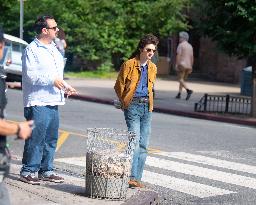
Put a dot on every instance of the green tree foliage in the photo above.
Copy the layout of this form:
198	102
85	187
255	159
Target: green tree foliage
9	17
100	30
232	23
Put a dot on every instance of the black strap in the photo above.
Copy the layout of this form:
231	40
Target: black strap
3	99
2	141
5	159
3	102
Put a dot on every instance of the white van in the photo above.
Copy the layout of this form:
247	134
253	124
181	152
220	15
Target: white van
13	65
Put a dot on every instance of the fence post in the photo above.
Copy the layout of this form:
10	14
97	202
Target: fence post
227	103
205	101
195	108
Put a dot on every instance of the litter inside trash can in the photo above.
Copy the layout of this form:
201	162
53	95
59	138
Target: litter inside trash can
108	162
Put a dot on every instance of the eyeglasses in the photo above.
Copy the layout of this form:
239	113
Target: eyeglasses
149	50
54	28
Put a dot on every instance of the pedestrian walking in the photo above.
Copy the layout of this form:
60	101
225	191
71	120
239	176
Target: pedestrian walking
60	42
184	63
134	87
43	91
21	130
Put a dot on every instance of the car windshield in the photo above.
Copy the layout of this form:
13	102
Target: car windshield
5	52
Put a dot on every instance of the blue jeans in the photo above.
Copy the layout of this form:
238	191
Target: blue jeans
138	120
40	148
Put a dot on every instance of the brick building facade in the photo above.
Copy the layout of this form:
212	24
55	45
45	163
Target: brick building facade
217	65
210	62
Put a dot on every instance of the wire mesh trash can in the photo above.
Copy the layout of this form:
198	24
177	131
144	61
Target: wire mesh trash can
108	162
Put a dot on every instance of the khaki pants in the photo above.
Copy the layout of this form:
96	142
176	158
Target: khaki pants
183	72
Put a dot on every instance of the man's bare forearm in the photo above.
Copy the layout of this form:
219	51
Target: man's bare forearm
7	128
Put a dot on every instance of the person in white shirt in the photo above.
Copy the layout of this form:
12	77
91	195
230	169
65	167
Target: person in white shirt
43	91
184	63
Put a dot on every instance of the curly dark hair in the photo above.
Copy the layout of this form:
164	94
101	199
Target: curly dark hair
145	40
41	23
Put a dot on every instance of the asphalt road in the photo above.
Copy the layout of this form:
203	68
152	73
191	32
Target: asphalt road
191	161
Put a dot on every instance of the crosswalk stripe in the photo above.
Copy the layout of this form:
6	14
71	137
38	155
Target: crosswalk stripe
184	186
202	172
209	161
78	161
181	185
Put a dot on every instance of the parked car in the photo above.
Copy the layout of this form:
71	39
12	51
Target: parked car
13	65
3	61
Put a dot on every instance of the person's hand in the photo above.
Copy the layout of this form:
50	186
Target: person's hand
62	85
69	90
25	129
59	83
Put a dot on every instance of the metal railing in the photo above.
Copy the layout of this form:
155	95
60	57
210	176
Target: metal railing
224	104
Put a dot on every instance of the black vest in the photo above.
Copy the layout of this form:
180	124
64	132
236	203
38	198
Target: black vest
3	102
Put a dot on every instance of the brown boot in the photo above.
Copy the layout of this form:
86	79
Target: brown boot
135	183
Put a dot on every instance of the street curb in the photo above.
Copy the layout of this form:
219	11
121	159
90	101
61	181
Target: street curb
92	99
198	115
143	197
207	116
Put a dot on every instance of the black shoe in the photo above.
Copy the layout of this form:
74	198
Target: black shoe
30	179
178	96
189	93
51	178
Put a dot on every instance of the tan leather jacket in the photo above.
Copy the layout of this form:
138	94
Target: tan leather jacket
128	80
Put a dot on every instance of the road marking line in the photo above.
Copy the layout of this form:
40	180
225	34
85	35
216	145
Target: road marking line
62	138
79	161
12	121
184	186
153	151
74	133
181	185
202	172
210	161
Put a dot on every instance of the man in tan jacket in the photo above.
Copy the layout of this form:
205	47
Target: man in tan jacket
184	63
133	87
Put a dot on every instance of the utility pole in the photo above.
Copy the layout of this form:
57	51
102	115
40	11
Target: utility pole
21	17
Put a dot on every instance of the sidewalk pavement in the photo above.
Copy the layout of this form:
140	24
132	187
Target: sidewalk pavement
72	191
102	91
